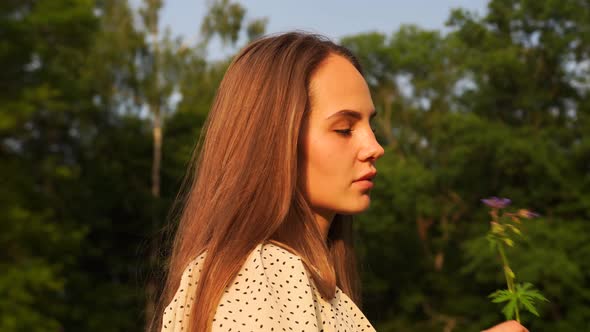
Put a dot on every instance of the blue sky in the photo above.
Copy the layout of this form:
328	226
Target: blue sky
332	18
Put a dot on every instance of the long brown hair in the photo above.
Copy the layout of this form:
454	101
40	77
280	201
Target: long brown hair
244	187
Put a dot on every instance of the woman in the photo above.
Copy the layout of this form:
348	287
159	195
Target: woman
264	241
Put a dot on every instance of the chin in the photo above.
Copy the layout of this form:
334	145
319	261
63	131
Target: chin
357	206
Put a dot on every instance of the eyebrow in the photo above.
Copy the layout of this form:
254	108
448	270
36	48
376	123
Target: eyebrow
353	114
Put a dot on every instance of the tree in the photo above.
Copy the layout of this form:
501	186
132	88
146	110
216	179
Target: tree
44	44
496	107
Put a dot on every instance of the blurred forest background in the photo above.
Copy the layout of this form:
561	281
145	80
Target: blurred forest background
100	110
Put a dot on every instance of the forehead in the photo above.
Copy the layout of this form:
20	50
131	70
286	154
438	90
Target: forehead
338	85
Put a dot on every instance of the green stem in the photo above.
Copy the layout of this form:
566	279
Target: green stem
509	278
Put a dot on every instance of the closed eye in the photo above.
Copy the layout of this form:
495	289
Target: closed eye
344	132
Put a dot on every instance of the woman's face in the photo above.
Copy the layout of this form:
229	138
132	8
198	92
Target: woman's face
338	146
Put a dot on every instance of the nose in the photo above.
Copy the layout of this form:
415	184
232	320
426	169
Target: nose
371	150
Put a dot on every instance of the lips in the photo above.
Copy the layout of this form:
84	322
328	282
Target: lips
367	176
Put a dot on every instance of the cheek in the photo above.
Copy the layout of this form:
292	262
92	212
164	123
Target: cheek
327	165
319	156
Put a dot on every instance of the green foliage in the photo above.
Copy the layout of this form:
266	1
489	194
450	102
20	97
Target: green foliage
490	107
76	209
256	28
43	44
225	19
523	297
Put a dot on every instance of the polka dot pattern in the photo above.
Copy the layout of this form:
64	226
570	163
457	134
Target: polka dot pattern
272	292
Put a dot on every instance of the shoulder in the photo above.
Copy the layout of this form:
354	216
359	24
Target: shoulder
277	255
266	258
272	284
282	266
272	266
271	291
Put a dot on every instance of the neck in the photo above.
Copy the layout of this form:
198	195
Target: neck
324	220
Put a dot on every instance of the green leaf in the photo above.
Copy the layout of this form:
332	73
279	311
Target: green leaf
527	296
528	305
510	309
501	296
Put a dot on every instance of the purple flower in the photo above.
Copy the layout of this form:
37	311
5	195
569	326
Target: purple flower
496	202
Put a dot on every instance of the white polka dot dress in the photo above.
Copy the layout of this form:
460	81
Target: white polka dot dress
272	292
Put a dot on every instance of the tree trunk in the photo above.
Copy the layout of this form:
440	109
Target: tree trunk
154	104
